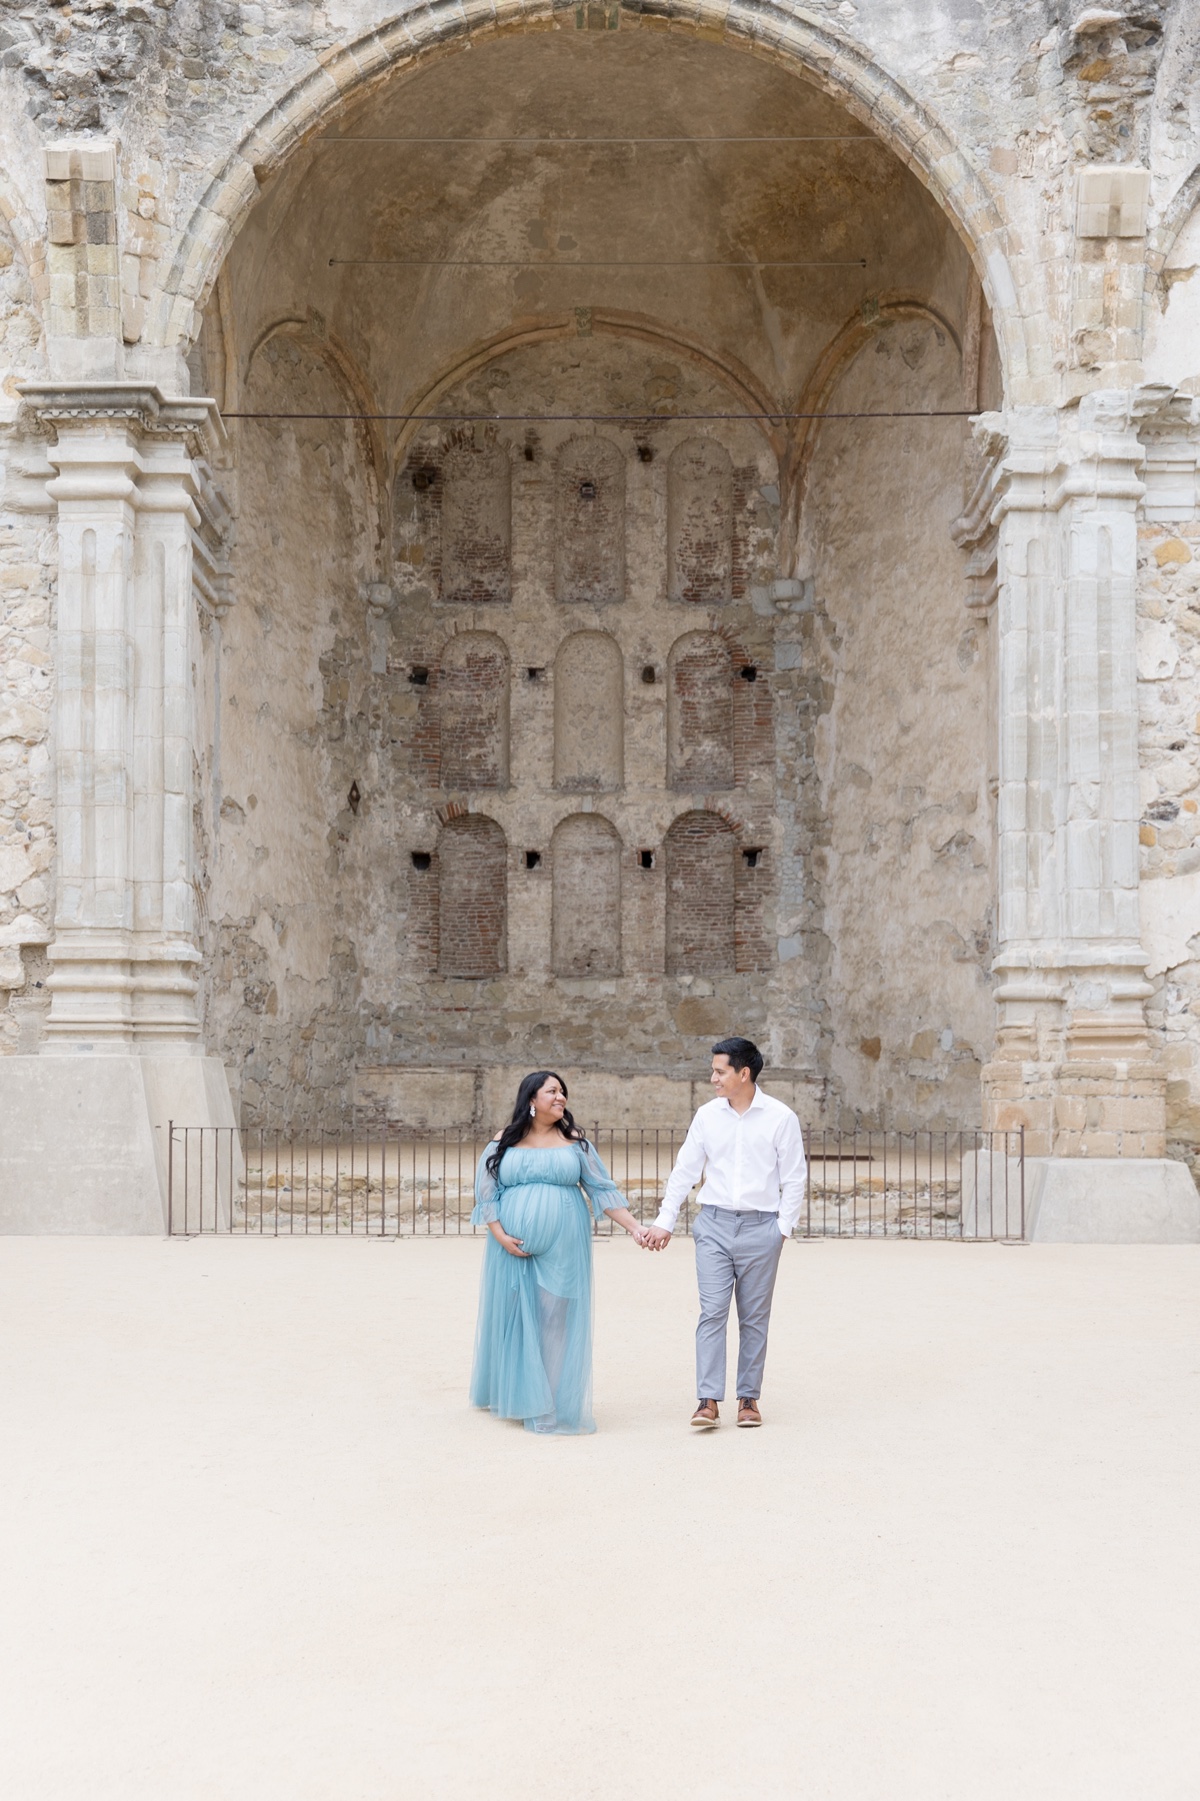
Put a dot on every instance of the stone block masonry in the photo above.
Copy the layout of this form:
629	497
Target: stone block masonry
599	627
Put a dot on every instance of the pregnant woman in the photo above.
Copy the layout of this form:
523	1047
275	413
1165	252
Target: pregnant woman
537	1186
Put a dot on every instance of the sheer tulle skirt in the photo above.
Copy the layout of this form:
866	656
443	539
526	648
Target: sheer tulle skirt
533	1342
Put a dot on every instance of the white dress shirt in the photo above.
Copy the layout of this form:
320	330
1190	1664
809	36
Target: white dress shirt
751	1160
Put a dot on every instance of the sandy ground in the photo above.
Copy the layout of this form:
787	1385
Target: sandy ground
256	1546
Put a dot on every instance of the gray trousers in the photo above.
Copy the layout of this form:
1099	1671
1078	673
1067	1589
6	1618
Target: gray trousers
736	1254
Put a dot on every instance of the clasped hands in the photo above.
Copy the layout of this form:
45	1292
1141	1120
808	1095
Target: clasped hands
650	1238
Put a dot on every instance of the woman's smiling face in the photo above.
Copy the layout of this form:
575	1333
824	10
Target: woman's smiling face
550	1100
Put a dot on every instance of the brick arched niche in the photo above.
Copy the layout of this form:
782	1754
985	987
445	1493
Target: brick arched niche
700	851
700	522
472	869
589	521
589	713
586	897
472	705
700	713
476	535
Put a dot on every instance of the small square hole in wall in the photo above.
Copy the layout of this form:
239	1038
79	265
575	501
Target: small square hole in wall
423	479
421	859
645	453
751	856
649	674
587	490
533	859
748	672
535	674
419	675
645	859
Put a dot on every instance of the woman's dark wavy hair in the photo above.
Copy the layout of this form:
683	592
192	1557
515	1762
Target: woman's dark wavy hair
520	1122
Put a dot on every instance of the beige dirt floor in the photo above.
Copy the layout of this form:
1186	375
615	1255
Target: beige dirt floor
255	1547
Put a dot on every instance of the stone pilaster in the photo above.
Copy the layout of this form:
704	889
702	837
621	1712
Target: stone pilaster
1073	1061
124	955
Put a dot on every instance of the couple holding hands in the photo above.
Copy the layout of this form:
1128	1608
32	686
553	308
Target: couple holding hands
533	1342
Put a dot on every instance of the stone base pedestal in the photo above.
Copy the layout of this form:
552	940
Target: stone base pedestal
1077	1109
83	1140
1081	1200
1110	1200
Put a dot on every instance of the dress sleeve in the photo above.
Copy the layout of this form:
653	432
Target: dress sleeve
597	1184
487	1192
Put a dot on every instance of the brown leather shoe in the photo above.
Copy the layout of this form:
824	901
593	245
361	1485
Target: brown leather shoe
748	1414
706	1416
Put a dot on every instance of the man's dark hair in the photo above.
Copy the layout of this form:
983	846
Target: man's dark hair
742	1055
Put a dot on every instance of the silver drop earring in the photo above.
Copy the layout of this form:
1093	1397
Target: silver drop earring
532	1111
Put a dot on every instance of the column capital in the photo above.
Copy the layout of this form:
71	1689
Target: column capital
149	417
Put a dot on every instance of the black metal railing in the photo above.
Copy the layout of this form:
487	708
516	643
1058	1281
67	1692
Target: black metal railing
952	1185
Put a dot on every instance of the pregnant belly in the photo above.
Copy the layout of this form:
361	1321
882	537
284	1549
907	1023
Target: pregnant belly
545	1218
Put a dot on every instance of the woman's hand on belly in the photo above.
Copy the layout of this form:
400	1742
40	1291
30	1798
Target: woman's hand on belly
511	1245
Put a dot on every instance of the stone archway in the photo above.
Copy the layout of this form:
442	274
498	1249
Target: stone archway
813	51
321	240
632	433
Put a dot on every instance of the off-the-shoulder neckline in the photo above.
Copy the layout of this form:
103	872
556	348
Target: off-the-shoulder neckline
568	1144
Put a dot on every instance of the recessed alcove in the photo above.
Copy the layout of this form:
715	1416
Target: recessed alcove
585	496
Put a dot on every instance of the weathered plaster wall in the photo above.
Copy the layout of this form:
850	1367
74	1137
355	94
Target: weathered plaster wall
902	749
579	661
325	940
1169	691
27	568
281	904
386	932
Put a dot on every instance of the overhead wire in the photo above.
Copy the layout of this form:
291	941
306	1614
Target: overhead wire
856	137
771	418
603	262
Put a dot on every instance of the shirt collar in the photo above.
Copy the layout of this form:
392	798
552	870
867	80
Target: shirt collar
756	1102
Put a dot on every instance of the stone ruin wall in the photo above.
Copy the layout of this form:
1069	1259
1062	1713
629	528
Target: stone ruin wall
299	923
1169	708
28	555
605	806
902	750
1168	667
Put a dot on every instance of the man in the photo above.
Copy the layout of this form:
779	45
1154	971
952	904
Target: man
748	1148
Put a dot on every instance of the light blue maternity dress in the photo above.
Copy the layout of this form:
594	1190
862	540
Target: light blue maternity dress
533	1342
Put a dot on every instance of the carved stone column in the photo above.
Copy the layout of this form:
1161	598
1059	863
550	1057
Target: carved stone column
123	1051
124	954
1056	516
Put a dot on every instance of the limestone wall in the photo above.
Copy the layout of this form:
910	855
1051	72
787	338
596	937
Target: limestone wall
526	860
27	570
283	981
1169	692
902	751
559	738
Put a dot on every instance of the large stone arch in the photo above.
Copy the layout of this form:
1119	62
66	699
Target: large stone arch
764	409
834	64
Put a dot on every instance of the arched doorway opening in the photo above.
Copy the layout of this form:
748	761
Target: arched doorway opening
528	344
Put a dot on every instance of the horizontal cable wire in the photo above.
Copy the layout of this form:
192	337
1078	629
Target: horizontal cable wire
602	262
609	418
857	137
